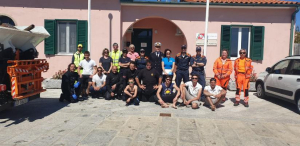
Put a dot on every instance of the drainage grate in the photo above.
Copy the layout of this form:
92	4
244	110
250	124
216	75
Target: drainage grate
165	114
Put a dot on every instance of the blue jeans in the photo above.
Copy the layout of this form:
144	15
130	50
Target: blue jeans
181	74
94	92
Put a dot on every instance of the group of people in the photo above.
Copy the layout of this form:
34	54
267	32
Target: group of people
134	77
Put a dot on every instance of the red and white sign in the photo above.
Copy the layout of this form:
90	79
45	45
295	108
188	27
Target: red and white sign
2	87
210	36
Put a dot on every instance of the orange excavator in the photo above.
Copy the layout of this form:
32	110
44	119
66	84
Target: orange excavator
20	71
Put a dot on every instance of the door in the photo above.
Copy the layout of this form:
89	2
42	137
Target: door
293	77
142	38
277	81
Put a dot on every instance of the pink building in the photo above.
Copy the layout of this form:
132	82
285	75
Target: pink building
264	28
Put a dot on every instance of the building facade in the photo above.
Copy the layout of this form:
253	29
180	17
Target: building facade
264	29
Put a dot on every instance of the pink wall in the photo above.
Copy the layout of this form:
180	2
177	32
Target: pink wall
192	20
166	31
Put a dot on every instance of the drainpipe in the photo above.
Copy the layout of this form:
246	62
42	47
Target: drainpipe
89	25
292	31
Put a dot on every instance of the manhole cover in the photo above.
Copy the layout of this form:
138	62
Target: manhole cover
165	114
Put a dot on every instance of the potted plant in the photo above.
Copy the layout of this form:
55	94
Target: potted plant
55	81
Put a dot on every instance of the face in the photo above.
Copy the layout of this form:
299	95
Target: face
79	49
86	56
99	71
106	52
131	49
148	66
72	68
194	79
224	54
157	48
168	80
213	84
131	82
183	50
142	53
132	66
243	53
115	47
124	54
114	69
198	52
168	53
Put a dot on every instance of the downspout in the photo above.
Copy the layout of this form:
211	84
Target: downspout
292	31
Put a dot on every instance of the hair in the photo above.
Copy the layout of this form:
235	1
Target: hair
115	44
225	51
168	77
103	52
166	52
132	62
212	79
114	66
131	46
69	66
125	51
195	75
149	62
130	79
99	68
243	50
87	52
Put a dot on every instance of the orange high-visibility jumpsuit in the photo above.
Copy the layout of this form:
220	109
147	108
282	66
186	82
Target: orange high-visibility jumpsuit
242	72
222	70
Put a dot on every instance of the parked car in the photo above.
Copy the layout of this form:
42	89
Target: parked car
282	81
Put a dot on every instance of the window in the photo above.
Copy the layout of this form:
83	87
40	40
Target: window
65	35
280	68
5	19
295	68
235	38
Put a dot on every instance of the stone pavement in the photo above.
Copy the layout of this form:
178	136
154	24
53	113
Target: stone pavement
46	121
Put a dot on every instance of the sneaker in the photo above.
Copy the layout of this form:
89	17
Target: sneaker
236	103
246	104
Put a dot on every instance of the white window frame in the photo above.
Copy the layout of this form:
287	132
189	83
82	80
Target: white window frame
240	42
67	39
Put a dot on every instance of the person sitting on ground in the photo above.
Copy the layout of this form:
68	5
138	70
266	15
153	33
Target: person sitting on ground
165	93
214	94
69	91
193	93
98	87
130	93
114	85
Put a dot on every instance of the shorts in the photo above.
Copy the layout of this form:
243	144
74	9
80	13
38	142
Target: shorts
188	96
85	80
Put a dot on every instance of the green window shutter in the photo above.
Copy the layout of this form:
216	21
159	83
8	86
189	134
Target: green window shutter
82	36
50	47
225	39
257	43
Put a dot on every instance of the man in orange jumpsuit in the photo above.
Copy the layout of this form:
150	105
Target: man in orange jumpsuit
242	72
223	69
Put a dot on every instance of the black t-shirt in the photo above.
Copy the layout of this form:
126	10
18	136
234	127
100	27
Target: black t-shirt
149	77
129	74
106	62
124	60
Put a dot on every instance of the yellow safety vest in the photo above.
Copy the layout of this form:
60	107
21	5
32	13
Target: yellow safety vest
115	57
77	59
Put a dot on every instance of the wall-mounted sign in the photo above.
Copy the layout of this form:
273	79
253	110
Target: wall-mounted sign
211	39
143	44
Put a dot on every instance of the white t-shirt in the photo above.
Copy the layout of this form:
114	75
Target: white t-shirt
215	91
99	80
88	66
193	90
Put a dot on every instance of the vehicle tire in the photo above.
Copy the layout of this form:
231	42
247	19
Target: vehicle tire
298	103
260	90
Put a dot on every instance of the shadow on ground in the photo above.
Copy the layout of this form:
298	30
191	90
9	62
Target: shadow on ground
31	111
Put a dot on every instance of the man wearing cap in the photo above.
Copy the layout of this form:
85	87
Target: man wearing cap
182	61
141	60
124	62
156	58
198	62
115	55
78	56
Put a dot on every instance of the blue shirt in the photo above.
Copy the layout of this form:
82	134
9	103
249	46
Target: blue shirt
168	62
198	59
166	90
183	62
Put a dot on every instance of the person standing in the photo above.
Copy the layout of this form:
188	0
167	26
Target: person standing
191	92
131	54
198	62
124	62
69	91
242	72
151	79
223	69
114	85
115	55
156	58
141	60
168	65
98	87
182	62
214	94
89	70
165	93
77	57
105	62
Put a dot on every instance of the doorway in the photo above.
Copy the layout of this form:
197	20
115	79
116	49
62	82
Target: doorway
142	38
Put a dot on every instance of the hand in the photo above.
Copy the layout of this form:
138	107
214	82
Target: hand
112	94
195	63
104	72
108	72
217	96
143	87
165	73
91	76
155	87
80	75
113	87
187	102
128	100
97	88
219	76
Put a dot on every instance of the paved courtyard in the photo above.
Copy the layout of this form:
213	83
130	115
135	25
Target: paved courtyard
98	122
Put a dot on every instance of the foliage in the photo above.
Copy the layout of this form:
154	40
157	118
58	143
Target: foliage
59	74
253	77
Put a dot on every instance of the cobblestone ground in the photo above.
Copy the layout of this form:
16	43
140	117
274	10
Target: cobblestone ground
46	121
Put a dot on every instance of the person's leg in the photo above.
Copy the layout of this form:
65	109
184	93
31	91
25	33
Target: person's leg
218	82
92	91
151	97
217	102
185	76
144	96
136	101
178	78
210	103
202	83
107	96
102	91
139	93
161	101
246	86
224	85
119	90
89	85
84	85
238	89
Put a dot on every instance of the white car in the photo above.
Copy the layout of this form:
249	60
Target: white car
282	80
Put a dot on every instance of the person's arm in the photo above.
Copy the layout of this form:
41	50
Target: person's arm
196	98
177	89
176	61
215	69
158	92
73	59
182	86
120	80
159	80
173	66
103	85
193	62
78	71
229	68
66	83
124	78
126	91
135	91
223	92
108	84
206	93
137	81
110	67
95	70
163	67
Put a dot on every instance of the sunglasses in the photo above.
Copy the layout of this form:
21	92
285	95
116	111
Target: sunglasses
194	78
168	79
243	53
130	82
142	52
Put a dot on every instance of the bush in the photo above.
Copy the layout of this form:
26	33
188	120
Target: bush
59	74
253	77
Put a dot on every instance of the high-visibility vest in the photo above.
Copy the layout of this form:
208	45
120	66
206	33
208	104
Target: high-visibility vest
77	59
248	67
115	57
222	69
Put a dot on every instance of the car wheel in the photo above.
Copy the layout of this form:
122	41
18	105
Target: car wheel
298	104
260	90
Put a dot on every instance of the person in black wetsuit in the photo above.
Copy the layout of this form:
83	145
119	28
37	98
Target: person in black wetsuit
70	90
114	85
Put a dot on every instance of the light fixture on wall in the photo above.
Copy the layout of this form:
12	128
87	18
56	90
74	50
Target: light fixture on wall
178	32
130	30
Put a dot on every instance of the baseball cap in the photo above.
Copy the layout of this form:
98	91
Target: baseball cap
142	50
183	46
124	51
198	48
115	44
157	44
79	46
